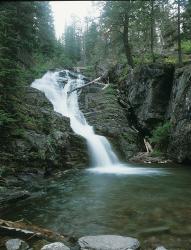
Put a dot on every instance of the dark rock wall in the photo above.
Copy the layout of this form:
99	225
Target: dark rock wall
179	113
146	91
154	93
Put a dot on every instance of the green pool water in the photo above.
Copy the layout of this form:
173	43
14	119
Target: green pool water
154	207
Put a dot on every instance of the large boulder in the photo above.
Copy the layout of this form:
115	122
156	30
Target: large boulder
108	242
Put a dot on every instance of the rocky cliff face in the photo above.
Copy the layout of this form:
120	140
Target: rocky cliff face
46	138
103	112
179	112
156	93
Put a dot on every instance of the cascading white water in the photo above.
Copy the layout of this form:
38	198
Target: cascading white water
67	104
103	158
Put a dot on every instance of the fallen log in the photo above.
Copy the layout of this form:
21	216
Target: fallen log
87	84
23	230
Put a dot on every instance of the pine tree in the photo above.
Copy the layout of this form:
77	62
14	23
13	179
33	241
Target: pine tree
44	28
25	28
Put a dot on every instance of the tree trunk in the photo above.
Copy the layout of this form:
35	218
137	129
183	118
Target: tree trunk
152	30
126	43
179	37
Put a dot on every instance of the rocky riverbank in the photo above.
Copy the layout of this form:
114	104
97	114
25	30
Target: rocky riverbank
99	242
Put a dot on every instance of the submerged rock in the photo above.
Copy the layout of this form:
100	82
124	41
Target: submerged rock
55	246
16	244
155	230
108	242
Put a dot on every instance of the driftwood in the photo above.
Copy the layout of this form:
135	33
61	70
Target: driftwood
87	84
21	229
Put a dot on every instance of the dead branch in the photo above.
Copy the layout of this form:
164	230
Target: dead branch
87	84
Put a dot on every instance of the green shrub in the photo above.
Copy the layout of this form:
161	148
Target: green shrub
5	118
160	136
170	59
186	46
157	153
110	90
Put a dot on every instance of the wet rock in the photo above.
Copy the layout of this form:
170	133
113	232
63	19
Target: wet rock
55	246
161	248
108	242
16	244
73	75
62	73
144	157
62	82
103	112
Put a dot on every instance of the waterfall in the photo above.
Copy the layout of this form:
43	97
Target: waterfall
99	147
104	160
